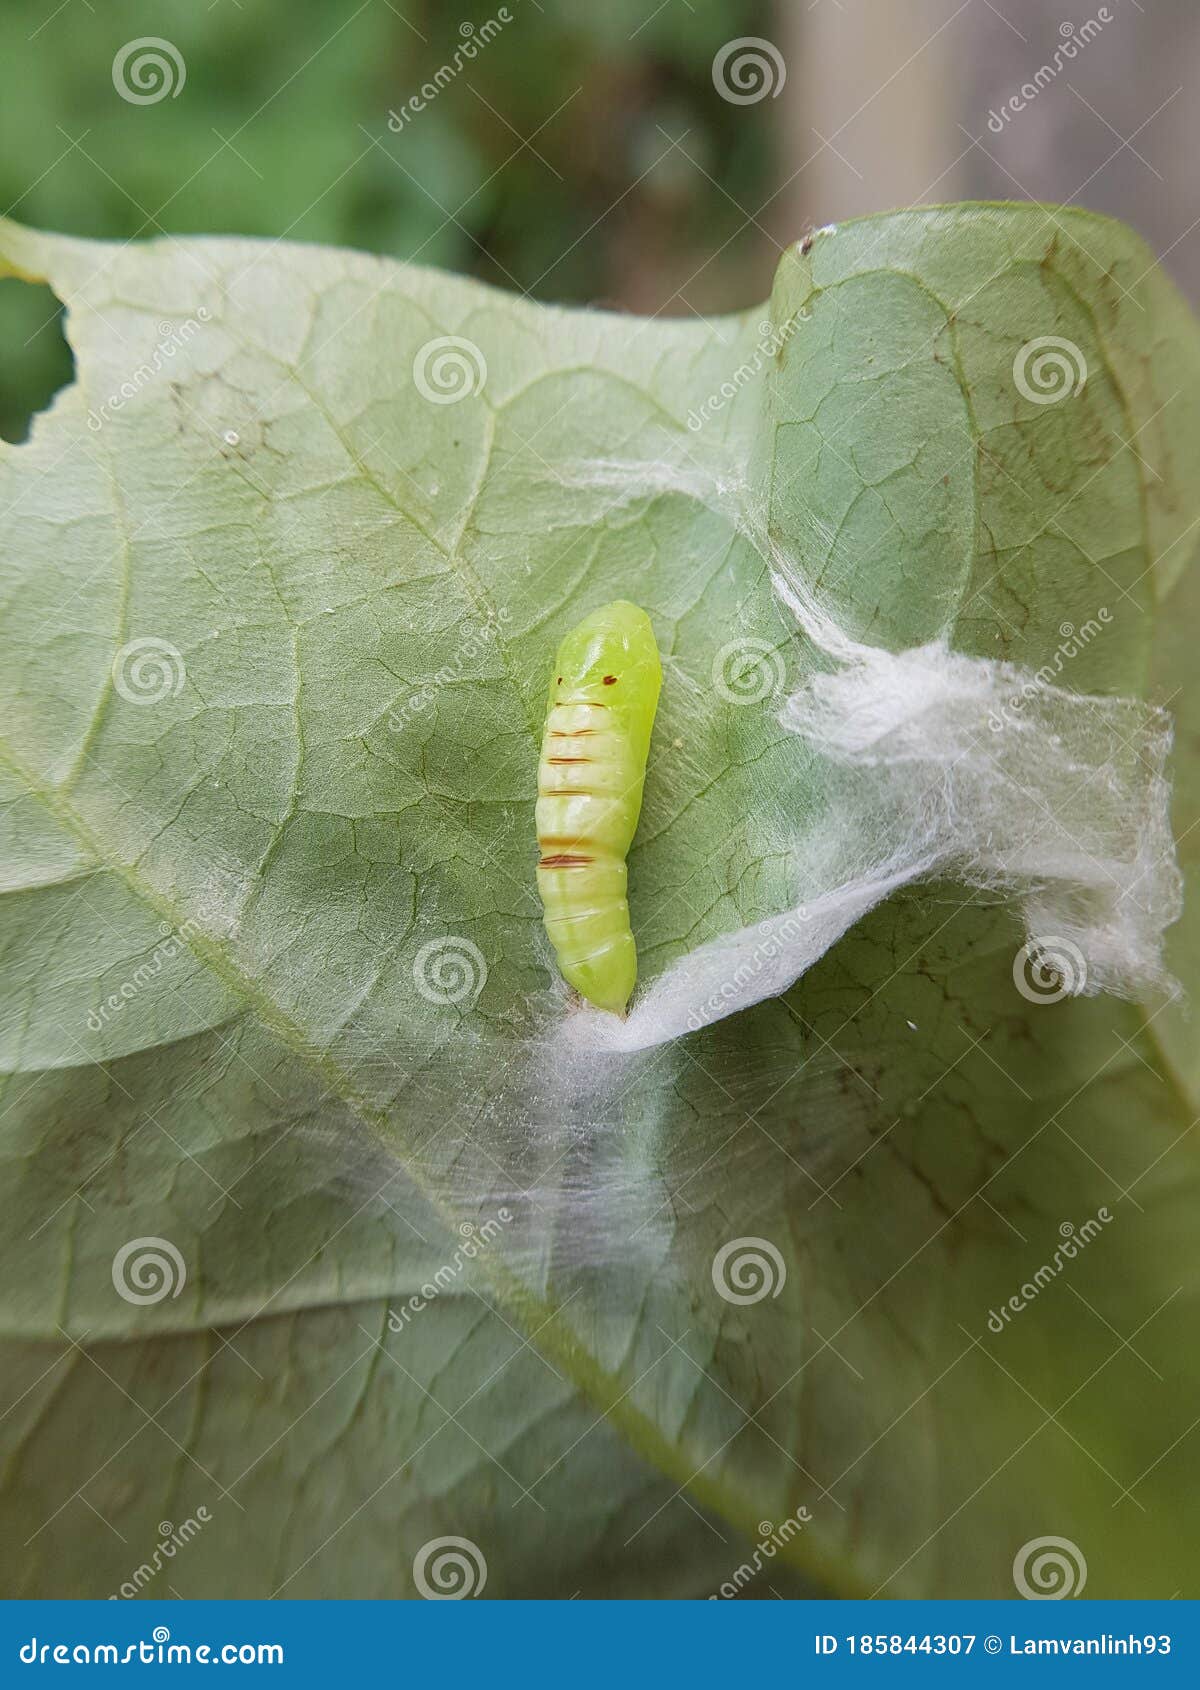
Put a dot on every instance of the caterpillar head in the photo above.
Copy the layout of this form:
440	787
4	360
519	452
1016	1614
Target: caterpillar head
611	659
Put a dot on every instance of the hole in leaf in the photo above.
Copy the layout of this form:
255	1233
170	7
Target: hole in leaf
35	360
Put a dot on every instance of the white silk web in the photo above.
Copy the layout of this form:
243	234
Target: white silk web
936	764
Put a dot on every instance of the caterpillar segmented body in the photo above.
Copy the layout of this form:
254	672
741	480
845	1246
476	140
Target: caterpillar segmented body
603	696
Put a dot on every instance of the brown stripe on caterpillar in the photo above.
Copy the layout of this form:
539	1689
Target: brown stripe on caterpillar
565	861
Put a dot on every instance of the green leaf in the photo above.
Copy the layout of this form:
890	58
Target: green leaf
276	990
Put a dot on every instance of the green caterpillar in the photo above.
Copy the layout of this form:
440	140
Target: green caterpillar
603	695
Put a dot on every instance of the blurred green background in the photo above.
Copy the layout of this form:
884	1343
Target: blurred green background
585	154
547	166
